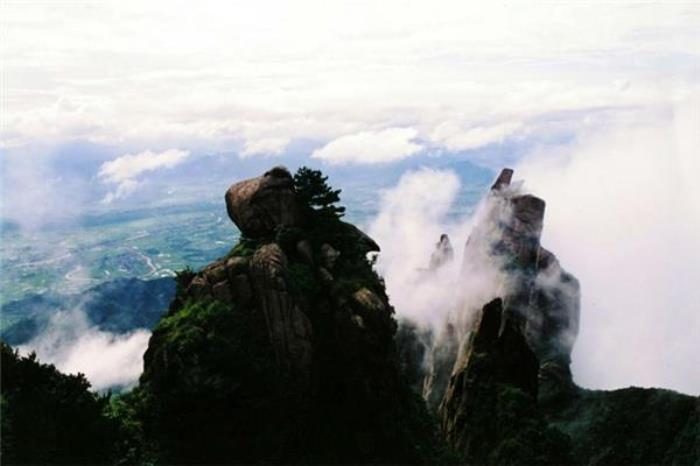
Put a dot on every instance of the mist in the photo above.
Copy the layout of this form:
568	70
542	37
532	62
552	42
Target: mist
412	217
35	194
73	345
623	215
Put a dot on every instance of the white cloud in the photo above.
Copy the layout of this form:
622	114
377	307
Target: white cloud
35	193
454	137
124	170
317	71
411	218
623	215
106	359
129	166
387	145
265	146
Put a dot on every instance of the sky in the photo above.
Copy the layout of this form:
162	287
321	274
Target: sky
595	103
408	77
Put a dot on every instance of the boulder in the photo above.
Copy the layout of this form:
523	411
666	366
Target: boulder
215	272
328	256
260	205
236	265
369	301
199	288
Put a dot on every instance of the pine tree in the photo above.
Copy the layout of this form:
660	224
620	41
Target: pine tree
313	191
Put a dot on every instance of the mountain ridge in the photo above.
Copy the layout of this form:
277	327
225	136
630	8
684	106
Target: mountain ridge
287	350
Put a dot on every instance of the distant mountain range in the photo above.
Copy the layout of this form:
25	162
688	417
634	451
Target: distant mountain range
117	306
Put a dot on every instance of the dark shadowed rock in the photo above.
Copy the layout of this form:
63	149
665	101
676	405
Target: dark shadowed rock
288	327
359	237
496	358
303	248
503	179
258	205
539	294
442	359
328	256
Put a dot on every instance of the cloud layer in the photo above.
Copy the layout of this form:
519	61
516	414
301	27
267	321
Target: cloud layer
260	75
108	360
623	215
388	145
125	170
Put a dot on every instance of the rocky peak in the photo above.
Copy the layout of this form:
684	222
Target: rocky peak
536	291
497	354
523	338
443	253
305	293
260	205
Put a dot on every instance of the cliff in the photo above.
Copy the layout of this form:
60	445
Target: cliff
282	351
498	374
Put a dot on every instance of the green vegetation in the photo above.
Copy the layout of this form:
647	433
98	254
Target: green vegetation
303	280
314	192
630	426
50	417
245	247
130	445
209	377
519	433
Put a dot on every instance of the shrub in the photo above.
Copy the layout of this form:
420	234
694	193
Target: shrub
50	417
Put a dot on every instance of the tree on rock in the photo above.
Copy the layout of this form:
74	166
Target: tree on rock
313	191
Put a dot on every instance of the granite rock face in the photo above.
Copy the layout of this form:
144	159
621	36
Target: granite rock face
288	327
259	205
537	293
329	389
498	377
497	353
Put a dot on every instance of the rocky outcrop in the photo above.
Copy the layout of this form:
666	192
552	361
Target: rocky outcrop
510	398
443	253
537	293
539	298
441	362
295	333
364	243
259	205
496	355
288	327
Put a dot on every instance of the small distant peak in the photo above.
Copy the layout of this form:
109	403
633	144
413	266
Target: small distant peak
443	252
503	179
